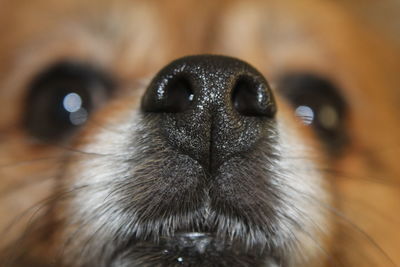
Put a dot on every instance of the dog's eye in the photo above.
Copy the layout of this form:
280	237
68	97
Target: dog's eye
318	103
61	98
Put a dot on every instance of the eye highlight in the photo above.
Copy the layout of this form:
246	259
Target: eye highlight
61	98
318	103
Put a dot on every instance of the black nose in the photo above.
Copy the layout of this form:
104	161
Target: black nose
211	107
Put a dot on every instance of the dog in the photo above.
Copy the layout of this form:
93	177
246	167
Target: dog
199	133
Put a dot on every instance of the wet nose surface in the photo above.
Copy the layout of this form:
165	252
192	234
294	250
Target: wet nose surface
210	107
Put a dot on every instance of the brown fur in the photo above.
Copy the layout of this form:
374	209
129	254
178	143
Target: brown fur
132	40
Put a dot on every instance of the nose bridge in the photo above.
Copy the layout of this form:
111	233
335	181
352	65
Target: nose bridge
213	86
211	107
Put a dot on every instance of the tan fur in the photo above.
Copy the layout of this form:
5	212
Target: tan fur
133	39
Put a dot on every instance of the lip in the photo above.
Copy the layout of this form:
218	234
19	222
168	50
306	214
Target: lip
191	243
200	249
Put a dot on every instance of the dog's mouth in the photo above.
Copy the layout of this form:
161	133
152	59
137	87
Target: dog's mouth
194	249
204	184
204	224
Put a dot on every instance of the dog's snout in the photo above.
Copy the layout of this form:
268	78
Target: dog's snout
210	107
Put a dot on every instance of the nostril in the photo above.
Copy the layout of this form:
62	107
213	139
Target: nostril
251	98
170	96
210	108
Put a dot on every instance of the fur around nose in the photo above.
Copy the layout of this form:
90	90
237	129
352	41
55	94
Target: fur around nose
212	107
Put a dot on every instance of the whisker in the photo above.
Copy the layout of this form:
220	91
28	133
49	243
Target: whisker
15	188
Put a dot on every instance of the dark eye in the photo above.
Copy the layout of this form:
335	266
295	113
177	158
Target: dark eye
61	98
319	104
